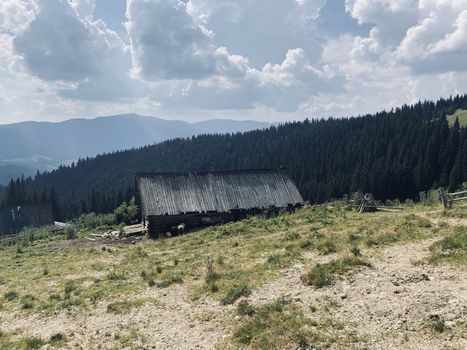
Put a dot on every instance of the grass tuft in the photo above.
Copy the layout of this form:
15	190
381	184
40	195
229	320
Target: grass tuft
278	325
11	295
122	307
235	293
452	249
326	274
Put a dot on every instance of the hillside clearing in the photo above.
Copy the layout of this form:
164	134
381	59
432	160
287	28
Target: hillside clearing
398	281
460	114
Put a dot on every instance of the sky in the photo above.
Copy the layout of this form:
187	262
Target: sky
267	60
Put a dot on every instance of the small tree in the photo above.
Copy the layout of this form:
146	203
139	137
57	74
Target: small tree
126	213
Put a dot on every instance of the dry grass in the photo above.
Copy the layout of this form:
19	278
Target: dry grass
224	263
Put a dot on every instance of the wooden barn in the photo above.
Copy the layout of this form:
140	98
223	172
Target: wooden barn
167	200
14	219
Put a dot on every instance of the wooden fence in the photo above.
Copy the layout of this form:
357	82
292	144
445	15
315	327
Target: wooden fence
447	199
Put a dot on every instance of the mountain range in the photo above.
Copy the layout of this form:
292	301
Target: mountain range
30	146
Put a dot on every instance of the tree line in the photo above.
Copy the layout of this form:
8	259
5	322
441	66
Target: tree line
392	154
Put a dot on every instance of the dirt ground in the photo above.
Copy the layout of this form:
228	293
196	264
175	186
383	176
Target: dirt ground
387	306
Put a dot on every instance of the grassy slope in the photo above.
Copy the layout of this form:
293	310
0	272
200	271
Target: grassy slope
223	263
461	114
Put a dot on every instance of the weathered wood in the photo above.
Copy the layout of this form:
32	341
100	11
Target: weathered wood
185	193
458	193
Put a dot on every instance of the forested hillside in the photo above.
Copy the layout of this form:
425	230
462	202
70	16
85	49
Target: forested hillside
392	154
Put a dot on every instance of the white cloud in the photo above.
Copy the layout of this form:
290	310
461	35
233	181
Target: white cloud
60	45
438	42
15	15
168	41
215	58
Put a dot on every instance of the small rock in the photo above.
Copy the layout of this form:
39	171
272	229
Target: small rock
426	277
397	291
344	296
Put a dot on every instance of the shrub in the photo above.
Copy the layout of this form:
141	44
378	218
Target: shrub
11	295
236	292
126	213
70	232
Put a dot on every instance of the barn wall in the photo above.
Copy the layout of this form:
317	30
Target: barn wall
157	226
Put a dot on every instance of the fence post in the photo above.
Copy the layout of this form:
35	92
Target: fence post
443	198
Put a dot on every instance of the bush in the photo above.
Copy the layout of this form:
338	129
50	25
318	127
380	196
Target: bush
30	234
236	292
126	213
70	232
92	221
11	295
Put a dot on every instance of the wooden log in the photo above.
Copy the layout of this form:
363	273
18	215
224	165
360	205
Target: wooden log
443	198
457	193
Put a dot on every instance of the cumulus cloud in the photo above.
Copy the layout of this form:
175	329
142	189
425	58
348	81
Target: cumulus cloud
262	30
60	45
438	42
15	15
168	41
196	57
63	44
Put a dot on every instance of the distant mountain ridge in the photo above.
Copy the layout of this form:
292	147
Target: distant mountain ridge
26	147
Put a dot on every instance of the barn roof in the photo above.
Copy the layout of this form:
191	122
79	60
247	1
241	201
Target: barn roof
179	193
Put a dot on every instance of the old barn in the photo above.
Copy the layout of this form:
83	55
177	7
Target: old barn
167	200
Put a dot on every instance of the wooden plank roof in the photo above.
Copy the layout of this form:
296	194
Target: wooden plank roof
180	193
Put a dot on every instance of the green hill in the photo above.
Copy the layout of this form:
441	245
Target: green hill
391	154
460	114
